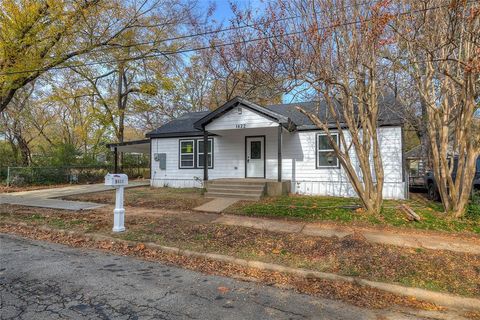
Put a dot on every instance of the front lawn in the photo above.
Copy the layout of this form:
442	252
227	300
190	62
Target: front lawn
148	197
445	271
342	210
296	207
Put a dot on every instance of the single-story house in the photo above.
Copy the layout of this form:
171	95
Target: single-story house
276	143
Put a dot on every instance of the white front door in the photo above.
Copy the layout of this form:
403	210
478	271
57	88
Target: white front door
255	157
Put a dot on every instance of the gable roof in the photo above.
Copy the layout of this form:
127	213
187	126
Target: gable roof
190	124
237	101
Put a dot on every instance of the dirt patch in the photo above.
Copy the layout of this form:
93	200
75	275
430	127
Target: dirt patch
148	197
348	292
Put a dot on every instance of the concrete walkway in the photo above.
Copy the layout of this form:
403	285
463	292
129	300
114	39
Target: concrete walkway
399	238
43	198
217	205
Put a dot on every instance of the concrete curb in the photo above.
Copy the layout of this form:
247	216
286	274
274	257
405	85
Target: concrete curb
443	299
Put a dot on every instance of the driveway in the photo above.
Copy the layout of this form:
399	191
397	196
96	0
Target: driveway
40	280
44	198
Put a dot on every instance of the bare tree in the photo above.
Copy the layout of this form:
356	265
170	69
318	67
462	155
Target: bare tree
331	52
441	42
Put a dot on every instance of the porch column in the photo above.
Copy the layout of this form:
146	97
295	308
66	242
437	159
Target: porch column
205	155
279	160
115	163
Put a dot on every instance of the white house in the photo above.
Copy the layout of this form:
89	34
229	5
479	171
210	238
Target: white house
268	144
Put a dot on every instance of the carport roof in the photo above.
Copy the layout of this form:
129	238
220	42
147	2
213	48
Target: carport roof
134	146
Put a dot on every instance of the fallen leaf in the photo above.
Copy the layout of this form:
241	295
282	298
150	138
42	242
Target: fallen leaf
140	247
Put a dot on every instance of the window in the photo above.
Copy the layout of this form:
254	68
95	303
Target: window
200	153
191	153
255	150
326	157
187	153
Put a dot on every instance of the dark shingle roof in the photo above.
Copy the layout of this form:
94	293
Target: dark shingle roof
390	113
184	126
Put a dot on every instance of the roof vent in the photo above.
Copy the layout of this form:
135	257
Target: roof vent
239	110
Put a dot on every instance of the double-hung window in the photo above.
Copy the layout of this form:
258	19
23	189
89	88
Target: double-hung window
192	151
187	153
200	153
326	157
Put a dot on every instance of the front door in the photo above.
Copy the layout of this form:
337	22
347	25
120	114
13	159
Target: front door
255	157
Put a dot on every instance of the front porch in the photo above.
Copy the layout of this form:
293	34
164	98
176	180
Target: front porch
252	130
247	189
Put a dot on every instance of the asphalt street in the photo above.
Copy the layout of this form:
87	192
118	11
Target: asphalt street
40	280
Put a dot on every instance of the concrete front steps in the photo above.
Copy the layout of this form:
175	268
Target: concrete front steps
244	189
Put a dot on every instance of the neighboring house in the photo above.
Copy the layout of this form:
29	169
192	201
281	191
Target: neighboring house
274	142
417	160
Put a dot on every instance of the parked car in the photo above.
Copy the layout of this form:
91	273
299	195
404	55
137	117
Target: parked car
431	184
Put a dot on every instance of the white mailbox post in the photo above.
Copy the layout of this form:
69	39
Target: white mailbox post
119	181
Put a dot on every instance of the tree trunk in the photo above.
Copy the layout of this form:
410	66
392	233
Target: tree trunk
24	150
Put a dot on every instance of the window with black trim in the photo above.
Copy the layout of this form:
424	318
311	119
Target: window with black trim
326	157
187	152
200	153
191	153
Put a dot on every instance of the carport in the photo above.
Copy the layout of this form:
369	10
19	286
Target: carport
134	146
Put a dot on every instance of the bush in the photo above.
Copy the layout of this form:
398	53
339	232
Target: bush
20	176
473	208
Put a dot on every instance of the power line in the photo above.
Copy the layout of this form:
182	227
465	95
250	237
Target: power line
206	33
213	46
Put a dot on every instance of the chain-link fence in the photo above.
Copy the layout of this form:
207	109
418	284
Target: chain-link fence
3	174
23	176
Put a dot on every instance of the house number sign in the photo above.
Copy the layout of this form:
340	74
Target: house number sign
240	126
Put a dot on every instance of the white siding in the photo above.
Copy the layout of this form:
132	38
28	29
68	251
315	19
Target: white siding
247	119
298	164
228	158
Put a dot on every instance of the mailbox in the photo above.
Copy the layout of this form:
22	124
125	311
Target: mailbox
119	181
116	179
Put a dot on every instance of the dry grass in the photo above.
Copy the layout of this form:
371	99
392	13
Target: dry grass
148	197
348	292
435	270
